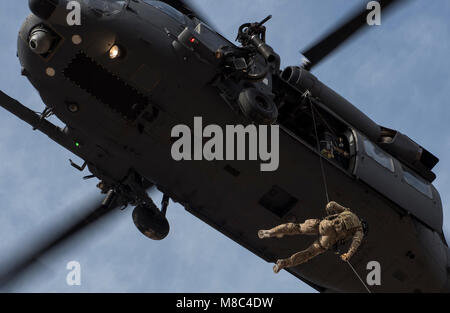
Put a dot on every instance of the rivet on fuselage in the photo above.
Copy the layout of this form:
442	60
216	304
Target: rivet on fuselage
50	71
73	107
76	39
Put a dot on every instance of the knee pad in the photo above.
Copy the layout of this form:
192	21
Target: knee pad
318	246
330	207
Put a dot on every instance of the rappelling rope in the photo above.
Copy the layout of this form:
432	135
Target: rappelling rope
356	273
307	95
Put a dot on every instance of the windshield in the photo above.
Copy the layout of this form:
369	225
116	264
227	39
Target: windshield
378	155
414	181
106	7
167	9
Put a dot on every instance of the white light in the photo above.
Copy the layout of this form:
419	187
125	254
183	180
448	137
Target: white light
50	71
114	52
76	39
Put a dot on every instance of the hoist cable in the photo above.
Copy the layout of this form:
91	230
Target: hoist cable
307	94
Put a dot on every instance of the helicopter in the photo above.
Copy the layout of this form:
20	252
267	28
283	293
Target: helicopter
103	64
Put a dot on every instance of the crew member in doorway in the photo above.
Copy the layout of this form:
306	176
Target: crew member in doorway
334	148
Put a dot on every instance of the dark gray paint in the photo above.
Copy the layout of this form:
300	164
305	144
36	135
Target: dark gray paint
228	203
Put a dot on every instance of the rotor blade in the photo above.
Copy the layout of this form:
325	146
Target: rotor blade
332	40
92	215
92	212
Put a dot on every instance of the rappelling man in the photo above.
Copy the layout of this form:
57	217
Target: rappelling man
339	226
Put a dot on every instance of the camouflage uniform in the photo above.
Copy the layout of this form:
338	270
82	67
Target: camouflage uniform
340	225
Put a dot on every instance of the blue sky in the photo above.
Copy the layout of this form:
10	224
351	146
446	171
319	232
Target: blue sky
396	73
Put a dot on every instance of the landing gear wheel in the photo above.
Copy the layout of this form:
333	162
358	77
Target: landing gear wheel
257	106
150	222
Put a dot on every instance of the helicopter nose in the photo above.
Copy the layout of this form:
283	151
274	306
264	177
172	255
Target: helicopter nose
43	8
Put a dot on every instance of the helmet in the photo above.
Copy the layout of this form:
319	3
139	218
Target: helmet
330	208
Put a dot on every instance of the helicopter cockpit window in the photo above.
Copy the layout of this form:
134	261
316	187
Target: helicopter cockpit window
411	179
106	7
378	155
169	10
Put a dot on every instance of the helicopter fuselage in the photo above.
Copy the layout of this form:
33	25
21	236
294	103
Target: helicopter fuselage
123	79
